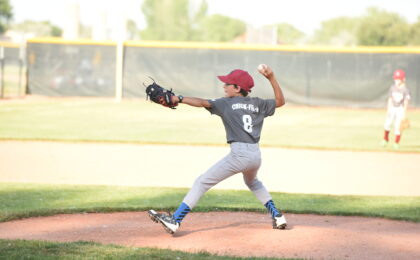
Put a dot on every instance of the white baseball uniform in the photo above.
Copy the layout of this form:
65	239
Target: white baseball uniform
398	95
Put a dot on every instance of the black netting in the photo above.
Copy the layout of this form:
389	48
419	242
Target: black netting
316	78
71	69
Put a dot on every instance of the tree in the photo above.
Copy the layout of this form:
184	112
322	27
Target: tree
166	20
179	20
6	15
132	30
340	31
38	29
56	31
288	34
197	19
382	28
219	28
415	33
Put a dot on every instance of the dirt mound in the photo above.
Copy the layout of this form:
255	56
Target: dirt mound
235	234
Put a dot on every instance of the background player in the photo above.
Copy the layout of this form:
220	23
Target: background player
243	118
397	107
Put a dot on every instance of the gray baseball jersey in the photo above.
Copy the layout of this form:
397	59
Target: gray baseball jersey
398	95
242	117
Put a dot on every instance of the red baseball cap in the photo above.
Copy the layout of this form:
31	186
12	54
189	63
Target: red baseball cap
399	74
240	78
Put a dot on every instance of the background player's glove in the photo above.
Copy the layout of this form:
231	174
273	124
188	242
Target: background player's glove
161	95
405	123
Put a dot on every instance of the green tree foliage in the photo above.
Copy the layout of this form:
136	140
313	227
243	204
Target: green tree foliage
340	31
219	28
288	34
38	29
56	31
6	14
133	31
166	20
382	28
178	20
415	33
197	19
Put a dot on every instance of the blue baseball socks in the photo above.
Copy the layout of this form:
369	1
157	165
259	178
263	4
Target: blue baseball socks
181	212
272	209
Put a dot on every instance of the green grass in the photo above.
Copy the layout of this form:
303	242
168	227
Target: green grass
21	249
11	86
137	121
27	200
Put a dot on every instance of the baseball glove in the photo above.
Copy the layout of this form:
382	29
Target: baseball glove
405	123
160	95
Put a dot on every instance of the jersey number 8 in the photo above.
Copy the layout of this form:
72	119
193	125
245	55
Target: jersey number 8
247	119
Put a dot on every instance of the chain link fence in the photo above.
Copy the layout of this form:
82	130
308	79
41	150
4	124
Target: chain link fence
357	77
12	70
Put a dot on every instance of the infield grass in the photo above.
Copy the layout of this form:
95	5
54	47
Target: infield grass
22	249
139	121
28	200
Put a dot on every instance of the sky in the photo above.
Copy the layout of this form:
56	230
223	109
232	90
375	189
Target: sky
304	15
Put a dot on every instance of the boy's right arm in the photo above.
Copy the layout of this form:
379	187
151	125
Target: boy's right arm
193	101
278	93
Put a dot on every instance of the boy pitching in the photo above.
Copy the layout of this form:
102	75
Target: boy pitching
243	118
397	107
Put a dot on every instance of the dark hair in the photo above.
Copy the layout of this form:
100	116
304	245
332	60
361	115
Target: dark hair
242	91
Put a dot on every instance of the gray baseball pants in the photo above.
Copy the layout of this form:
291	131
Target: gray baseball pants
243	157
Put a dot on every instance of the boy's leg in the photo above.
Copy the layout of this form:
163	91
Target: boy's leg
387	126
181	212
399	115
256	186
262	194
223	169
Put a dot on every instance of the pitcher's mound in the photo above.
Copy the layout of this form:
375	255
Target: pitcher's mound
234	233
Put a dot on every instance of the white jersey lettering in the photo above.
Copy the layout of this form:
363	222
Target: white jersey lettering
249	107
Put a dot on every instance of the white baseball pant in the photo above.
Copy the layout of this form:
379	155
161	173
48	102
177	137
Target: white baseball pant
243	157
396	115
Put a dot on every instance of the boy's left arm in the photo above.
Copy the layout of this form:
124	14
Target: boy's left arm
193	101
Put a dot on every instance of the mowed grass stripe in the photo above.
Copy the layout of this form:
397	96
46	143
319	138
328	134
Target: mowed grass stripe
138	121
28	200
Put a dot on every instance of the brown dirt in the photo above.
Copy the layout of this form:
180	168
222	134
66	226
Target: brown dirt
235	234
282	170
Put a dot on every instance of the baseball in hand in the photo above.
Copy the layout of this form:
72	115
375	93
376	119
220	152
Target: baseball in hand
262	68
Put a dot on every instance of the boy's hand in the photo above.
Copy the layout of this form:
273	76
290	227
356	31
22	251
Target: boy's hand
265	71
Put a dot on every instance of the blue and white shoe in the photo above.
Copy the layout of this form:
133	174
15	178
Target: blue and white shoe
167	221
279	222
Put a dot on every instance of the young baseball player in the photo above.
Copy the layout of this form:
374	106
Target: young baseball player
397	107
243	118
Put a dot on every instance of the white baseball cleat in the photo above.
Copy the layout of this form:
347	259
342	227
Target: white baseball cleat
167	221
279	222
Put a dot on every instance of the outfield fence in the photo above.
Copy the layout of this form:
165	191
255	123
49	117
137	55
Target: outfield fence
348	77
12	70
